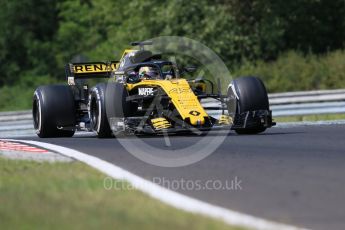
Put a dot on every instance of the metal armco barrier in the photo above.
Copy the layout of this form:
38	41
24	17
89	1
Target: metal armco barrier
281	104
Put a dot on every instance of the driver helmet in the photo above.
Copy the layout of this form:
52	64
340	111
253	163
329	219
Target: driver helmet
147	72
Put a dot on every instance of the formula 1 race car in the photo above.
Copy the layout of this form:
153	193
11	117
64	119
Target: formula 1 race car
146	95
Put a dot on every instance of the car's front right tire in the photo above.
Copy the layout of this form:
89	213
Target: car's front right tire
248	104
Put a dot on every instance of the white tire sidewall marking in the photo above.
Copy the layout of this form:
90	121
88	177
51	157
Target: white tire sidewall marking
38	130
98	102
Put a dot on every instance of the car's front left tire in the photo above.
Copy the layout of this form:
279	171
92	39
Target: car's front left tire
97	111
107	101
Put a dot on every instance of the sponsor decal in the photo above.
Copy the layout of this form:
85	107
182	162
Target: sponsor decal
180	90
194	113
145	91
94	68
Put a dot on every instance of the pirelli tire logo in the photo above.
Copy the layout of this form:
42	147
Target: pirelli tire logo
145	91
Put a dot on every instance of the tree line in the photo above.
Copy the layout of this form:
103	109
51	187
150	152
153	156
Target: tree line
37	37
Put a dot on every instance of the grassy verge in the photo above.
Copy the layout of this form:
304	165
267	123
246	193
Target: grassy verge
15	98
293	71
322	117
19	95
72	196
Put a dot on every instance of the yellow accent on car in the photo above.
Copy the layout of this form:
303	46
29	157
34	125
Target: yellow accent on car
225	120
198	85
160	123
182	96
94	68
127	51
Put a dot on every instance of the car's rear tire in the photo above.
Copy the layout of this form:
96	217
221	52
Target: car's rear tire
248	94
53	109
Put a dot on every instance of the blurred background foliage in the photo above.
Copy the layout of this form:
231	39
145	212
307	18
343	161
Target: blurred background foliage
292	45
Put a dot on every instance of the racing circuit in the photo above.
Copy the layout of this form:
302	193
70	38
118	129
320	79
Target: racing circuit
292	174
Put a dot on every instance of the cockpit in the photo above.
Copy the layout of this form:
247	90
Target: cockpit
156	70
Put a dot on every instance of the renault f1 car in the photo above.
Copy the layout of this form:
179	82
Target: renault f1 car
147	95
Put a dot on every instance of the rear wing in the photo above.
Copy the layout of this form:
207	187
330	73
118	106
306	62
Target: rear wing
90	70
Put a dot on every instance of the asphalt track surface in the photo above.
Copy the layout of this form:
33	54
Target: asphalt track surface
294	175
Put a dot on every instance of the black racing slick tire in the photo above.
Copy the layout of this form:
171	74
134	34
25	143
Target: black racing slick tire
106	101
250	131
97	111
117	106
248	94
53	111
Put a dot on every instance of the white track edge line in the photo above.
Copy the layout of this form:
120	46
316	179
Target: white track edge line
165	195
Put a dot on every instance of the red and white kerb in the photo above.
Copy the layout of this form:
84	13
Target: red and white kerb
13	146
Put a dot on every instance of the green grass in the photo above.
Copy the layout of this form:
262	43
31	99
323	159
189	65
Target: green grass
19	96
293	71
72	196
322	117
15	98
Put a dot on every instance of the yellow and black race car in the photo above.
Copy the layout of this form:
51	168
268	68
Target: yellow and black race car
146	95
